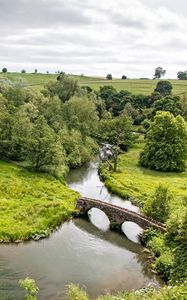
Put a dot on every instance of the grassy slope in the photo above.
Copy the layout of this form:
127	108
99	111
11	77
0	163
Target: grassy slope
135	86
139	183
31	204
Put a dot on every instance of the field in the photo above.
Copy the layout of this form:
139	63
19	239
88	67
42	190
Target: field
136	86
31	205
137	183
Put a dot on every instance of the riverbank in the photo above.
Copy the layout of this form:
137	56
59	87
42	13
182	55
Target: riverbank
138	184
31	205
169	251
166	293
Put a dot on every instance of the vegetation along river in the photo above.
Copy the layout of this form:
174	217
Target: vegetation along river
82	252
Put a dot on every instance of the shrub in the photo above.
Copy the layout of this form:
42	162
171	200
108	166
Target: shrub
158	206
164	265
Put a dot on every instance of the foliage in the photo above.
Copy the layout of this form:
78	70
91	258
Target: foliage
182	75
164	87
165	293
4	70
159	72
44	149
80	113
65	88
32	205
75	293
158	206
166	143
124	77
118	133
30	288
169	103
146	180
109	76
30	126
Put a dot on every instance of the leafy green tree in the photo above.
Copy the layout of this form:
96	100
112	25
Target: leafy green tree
166	143
164	87
65	87
159	72
109	76
44	150
78	149
172	104
182	75
23	71
158	207
124	77
118	133
4	70
81	114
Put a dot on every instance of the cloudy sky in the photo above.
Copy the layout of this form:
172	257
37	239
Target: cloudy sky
94	37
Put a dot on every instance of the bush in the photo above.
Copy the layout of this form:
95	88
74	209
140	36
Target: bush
164	265
75	293
148	234
158	206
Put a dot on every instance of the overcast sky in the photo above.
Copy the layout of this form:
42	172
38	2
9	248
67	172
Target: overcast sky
94	37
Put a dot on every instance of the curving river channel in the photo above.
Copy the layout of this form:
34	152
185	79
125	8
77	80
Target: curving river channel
81	251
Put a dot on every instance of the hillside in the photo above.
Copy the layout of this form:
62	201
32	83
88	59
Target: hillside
136	86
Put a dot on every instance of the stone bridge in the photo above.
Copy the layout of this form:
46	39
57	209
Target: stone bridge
117	215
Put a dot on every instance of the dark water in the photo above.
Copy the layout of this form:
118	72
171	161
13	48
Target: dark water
98	259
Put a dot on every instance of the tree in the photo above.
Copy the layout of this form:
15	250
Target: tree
118	133
164	87
159	72
35	71
109	76
65	87
166	143
23	71
124	77
44	150
4	70
169	103
158	206
80	113
182	75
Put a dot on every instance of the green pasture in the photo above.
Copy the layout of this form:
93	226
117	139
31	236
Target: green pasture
138	184
31	205
135	86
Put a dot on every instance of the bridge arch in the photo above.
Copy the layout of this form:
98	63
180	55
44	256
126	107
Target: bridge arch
101	221
131	231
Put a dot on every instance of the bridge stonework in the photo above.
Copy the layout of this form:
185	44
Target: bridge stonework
117	215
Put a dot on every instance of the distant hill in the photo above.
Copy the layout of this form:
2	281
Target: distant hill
136	86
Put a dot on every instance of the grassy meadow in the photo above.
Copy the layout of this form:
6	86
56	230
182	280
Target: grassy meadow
135	86
31	205
138	183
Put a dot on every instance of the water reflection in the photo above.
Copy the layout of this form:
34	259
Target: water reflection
80	253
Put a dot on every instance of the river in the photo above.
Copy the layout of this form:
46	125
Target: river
81	251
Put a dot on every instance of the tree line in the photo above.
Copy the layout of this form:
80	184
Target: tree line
61	126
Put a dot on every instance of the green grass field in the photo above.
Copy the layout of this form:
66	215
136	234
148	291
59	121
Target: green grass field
31	205
136	86
137	183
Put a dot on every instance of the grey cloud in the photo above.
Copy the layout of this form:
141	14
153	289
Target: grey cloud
40	13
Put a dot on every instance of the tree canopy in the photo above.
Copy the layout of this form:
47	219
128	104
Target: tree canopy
166	143
159	72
